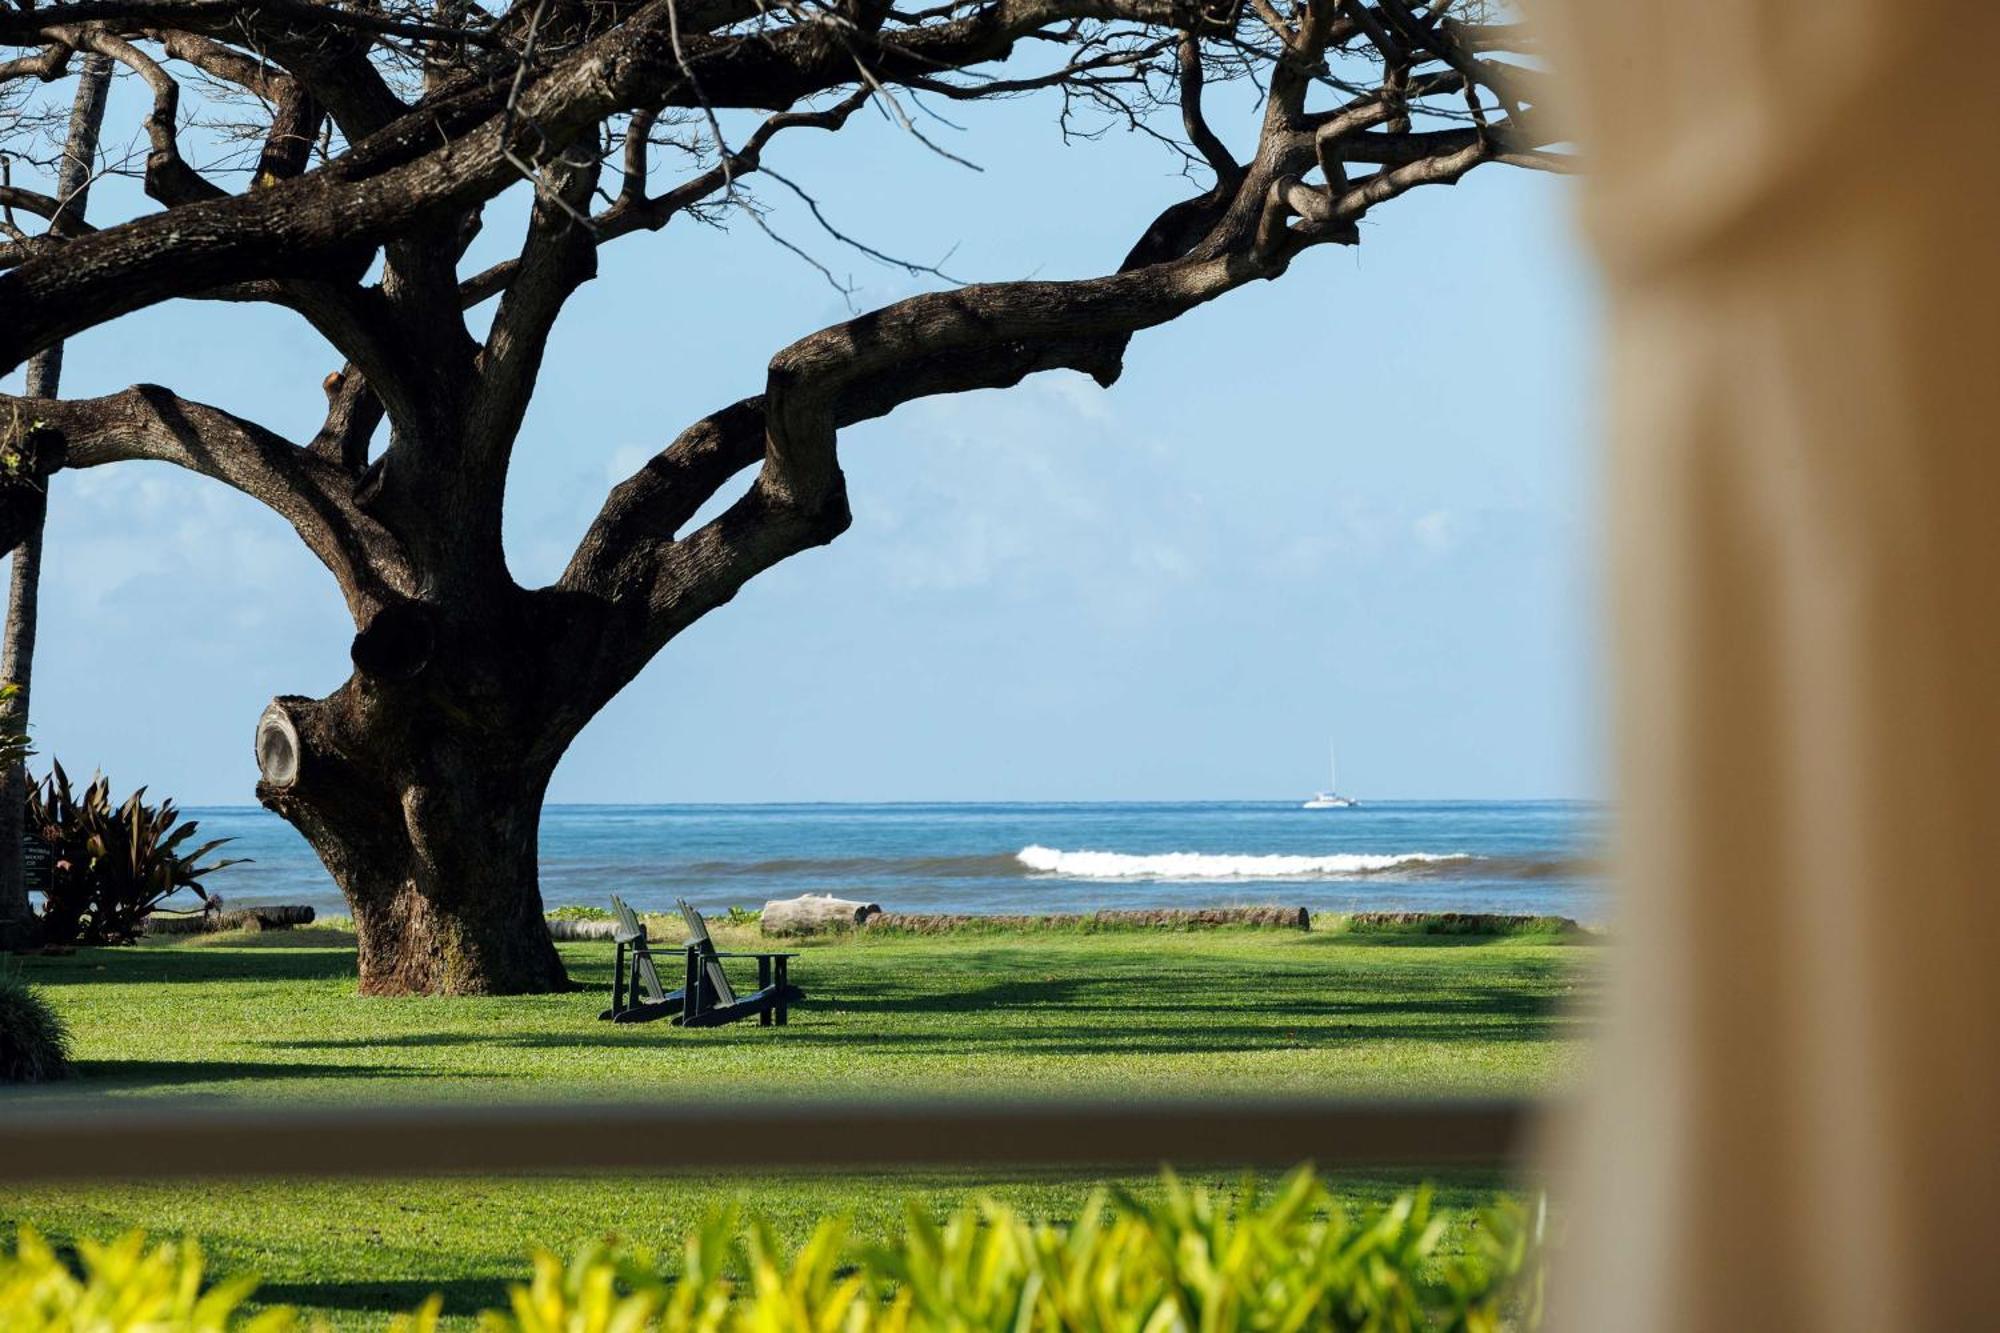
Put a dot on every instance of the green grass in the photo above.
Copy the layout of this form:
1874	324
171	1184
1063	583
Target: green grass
275	1017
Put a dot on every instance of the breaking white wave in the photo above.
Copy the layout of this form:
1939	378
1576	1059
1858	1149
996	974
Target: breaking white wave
1203	865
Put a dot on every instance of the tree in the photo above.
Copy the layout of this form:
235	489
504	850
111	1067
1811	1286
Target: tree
385	128
17	643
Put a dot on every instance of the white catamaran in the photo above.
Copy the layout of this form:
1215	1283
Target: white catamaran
1330	799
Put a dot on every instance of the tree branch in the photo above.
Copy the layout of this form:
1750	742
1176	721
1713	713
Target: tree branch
1227	171
149	422
559	256
650	585
169	178
404	178
203	14
219	61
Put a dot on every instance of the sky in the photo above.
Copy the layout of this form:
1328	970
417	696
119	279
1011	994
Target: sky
1354	508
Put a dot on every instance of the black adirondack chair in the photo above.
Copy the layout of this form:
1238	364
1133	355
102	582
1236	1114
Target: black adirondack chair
636	993
708	1000
705	999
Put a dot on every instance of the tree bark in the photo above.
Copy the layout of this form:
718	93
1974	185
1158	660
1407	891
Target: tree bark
426	810
17	646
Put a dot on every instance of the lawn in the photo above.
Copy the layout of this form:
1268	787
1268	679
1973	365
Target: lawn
275	1017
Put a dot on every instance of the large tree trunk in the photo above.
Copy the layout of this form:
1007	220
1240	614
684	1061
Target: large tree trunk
427	818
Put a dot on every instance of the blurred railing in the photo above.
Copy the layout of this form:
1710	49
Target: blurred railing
42	1140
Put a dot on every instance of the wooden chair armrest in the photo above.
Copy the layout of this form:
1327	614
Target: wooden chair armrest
720	954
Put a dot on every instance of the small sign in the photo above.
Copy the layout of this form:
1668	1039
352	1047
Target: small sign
38	863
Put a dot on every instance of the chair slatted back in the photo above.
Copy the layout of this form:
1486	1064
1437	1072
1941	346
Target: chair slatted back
630	932
628	928
711	965
648	979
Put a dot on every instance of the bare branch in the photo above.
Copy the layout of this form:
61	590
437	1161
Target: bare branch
981	336
199	14
47	64
168	176
1227	171
633	211
149	422
213	58
41	205
559	256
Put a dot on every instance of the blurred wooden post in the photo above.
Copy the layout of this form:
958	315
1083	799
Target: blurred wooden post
1796	1101
164	1141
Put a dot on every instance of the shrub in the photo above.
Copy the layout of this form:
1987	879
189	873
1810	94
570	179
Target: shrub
1457	923
126	1285
112	866
1187	1262
34	1042
580	912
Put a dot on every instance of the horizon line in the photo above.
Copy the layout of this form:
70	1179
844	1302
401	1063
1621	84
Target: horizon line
1289	801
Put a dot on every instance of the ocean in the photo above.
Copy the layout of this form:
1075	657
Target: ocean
1465	856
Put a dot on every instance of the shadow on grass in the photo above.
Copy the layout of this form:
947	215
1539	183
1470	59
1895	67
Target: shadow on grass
590	965
170	1073
401	1040
462	1296
1385	1024
157	966
1280	999
1383	939
181	965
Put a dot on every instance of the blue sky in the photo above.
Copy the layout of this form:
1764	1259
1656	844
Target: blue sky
1355	503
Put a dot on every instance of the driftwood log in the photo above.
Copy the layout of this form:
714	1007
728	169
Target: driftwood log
247	918
1178	918
564	928
813	913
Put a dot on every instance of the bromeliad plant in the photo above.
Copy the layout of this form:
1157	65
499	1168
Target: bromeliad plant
112	866
1186	1263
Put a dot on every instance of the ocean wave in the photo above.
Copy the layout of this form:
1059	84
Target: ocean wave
854	867
1204	865
1037	860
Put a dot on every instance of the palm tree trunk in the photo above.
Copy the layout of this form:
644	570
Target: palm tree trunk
17	644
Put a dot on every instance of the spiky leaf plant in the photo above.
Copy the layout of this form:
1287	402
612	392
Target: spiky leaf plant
113	865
